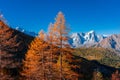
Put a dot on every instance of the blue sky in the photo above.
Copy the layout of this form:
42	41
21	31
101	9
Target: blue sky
103	16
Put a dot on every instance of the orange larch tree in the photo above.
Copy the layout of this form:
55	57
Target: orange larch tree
60	34
33	65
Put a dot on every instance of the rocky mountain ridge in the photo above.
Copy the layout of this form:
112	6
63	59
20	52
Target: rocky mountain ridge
88	39
85	39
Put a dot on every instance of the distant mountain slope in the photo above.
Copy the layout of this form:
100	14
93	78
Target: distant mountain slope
112	41
104	56
26	32
91	39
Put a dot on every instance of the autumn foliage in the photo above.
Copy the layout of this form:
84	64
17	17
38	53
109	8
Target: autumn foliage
48	56
13	46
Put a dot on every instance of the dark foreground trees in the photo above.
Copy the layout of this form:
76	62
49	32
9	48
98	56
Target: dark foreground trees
8	47
13	46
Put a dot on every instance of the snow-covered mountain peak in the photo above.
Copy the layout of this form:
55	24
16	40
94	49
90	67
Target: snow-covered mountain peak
89	39
81	39
91	32
104	35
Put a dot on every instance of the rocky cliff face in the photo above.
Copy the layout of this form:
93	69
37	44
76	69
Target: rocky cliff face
112	41
91	39
85	39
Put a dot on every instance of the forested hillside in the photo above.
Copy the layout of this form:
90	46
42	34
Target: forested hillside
13	46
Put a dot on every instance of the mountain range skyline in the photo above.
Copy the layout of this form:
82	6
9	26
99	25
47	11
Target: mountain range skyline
88	39
31	31
92	39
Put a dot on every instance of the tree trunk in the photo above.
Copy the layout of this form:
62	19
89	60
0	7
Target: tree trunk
61	66
61	76
43	65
